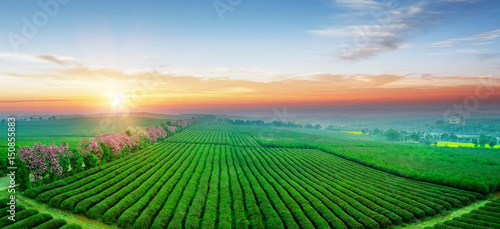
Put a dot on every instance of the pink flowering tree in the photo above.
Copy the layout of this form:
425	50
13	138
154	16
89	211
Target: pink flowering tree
172	130
140	134
46	160
155	133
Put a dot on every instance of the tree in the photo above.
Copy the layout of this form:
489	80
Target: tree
493	143
377	131
53	117
3	122
475	141
393	135
309	126
445	136
22	175
76	162
317	126
106	153
440	122
40	118
363	131
453	137
484	139
415	136
91	161
331	127
31	118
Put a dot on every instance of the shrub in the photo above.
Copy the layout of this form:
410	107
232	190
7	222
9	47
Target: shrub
71	226
91	161
77	163
30	222
54	223
4	221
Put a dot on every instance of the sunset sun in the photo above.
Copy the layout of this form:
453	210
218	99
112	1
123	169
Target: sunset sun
116	100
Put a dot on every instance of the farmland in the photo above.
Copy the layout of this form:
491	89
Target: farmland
459	144
215	176
475	169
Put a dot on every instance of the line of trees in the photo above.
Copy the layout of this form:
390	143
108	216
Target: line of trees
405	136
271	124
3	122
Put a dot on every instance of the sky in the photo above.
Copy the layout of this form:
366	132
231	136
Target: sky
75	56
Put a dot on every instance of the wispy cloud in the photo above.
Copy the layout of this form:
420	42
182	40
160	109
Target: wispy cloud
487	36
358	4
390	26
464	1
242	70
33	58
487	56
389	29
52	59
29	101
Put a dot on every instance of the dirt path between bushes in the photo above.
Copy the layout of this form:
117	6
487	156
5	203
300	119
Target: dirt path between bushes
448	215
85	222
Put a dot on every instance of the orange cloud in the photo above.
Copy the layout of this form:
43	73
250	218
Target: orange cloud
83	90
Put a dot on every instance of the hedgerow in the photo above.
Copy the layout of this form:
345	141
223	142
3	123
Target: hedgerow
156	196
54	223
19	216
30	222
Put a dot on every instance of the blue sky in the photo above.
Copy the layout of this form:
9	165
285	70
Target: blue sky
267	39
452	42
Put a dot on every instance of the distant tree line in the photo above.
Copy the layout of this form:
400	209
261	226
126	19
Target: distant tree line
271	124
486	126
427	138
3	122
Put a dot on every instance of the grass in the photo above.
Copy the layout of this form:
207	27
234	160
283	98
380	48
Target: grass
445	216
71	130
485	215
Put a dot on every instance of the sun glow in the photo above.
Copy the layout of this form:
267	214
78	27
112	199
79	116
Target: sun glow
116	100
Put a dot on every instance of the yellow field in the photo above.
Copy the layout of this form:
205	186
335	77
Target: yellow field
458	144
353	132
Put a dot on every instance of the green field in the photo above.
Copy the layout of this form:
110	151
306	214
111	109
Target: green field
71	130
487	216
475	169
213	176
